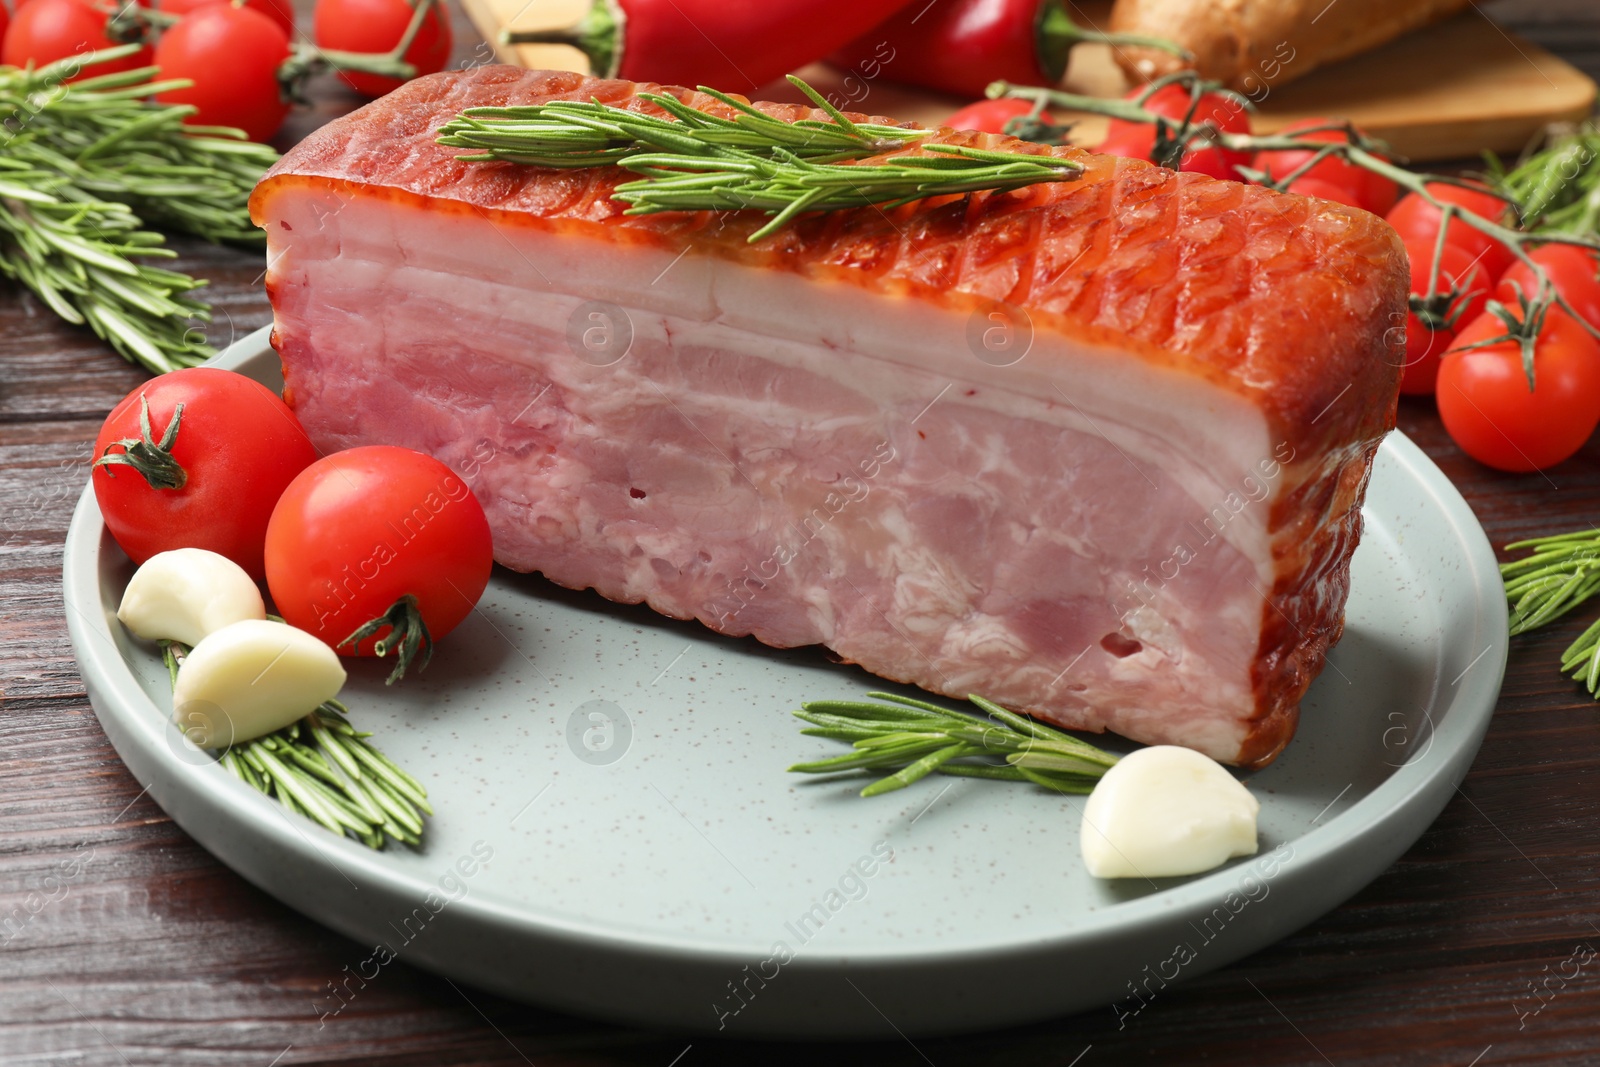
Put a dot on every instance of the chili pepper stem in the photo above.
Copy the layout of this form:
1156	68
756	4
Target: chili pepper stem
1055	33
599	35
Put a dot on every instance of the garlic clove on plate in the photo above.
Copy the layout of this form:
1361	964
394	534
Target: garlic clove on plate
186	593
1165	811
250	678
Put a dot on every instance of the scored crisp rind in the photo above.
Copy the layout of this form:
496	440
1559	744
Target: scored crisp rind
1283	302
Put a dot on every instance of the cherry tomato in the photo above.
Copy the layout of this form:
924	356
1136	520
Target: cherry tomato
1572	271
1414	217
991	116
1361	187
232	55
279	11
1173	101
47	30
1458	298
235	449
5	21
1488	409
360	530
377	26
1136	141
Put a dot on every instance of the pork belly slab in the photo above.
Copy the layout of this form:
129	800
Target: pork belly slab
1095	449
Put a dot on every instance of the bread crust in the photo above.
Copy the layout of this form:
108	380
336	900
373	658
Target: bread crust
1251	44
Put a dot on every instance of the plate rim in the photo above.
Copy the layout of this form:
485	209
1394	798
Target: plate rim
138	721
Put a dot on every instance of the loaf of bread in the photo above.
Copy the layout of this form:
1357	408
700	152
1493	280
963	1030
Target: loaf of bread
1251	44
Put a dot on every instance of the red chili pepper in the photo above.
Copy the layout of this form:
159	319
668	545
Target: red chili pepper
960	46
733	47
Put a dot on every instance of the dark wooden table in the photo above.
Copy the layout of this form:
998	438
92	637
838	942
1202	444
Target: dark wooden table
151	952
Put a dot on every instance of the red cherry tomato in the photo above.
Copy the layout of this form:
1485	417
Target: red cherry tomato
1136	141
1458	298
47	30
237	445
1173	101
232	55
5	21
1362	188
377	26
991	116
279	11
1414	217
359	530
1488	409
1572	271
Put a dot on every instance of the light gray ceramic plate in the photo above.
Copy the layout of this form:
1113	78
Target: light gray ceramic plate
655	864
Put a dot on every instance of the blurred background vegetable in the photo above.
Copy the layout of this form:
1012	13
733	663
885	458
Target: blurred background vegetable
960	46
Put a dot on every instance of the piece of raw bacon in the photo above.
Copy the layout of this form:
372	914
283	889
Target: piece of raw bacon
1143	524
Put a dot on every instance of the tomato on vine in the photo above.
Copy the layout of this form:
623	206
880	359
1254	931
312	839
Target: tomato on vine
1460	291
232	54
279	11
991	116
1358	186
1414	217
1175	102
196	459
378	548
47	30
1487	406
1572	272
376	26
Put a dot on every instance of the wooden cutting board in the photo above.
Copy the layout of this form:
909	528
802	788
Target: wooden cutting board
1450	91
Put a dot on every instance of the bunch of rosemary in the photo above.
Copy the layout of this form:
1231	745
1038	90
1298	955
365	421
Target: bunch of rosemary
1559	574
83	167
1557	189
325	769
697	161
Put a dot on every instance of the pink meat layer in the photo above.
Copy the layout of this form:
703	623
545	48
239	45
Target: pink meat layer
1095	450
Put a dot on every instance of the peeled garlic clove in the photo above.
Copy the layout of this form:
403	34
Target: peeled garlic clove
187	593
1164	811
251	678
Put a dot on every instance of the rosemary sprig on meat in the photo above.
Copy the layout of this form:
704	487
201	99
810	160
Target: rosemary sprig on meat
325	769
913	739
83	168
696	161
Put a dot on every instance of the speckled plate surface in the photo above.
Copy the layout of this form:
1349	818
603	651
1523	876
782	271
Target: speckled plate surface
616	837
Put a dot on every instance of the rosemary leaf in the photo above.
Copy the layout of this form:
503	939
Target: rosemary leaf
915	738
1561	573
84	168
696	161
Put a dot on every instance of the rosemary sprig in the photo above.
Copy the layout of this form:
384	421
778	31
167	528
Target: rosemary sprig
1557	189
83	167
920	738
1561	573
81	256
325	769
696	161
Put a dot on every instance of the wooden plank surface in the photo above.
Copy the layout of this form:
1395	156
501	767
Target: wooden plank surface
122	942
1448	92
